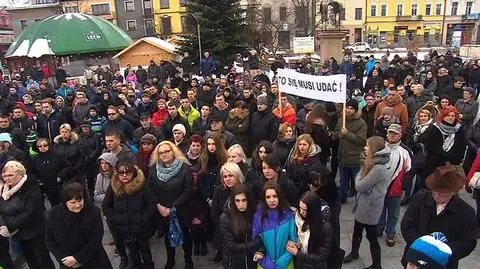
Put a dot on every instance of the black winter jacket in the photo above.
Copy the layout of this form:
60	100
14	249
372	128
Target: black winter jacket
18	137
130	207
456	222
46	167
288	189
263	126
73	151
121	125
24	124
78	235
236	254
473	138
24	211
49	126
175	192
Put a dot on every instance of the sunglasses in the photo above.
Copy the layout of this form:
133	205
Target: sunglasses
42	146
124	173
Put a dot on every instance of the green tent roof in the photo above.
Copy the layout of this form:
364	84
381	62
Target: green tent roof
71	33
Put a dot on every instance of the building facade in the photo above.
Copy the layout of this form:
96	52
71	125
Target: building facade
352	18
135	17
462	16
28	12
101	8
6	31
277	23
170	17
400	23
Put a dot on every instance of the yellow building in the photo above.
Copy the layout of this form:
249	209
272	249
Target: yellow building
398	23
170	17
101	8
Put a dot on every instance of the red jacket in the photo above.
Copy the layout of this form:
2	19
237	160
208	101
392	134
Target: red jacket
159	117
475	168
46	71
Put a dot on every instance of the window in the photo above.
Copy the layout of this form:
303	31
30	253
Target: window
454	8
164	4
129	5
428	9
23	24
267	15
147	7
438	10
3	20
373	10
383	12
358	14
131	25
149	27
300	12
468	8
166	25
283	13
414	9
400	10
72	9
38	2
284	39
186	25
101	9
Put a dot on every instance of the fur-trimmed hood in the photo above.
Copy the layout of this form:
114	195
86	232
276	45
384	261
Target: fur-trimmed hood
238	114
382	156
73	139
131	187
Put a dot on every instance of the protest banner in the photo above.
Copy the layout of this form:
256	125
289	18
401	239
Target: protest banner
327	88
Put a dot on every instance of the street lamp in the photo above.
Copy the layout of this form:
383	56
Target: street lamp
199	40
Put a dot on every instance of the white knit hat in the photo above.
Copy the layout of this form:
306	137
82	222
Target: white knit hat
179	127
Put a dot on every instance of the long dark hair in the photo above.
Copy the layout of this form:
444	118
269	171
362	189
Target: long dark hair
317	112
220	153
242	221
282	201
256	162
313	220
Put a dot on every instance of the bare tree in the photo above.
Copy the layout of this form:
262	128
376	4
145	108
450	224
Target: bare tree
305	12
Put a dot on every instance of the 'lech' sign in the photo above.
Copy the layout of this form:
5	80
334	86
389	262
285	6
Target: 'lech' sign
93	36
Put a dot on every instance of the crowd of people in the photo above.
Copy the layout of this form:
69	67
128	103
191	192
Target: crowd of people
226	164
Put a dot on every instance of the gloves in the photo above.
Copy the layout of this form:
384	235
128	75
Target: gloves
4	231
59	180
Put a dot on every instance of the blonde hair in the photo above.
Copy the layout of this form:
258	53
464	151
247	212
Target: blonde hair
375	144
233	169
177	153
238	150
66	126
296	157
16	166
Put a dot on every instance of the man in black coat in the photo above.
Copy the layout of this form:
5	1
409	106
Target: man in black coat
92	142
146	128
442	210
263	124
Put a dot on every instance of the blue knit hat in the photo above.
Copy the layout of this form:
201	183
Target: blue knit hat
5	137
430	252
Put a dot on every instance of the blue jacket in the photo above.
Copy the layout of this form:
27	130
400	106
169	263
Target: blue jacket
275	234
346	68
370	66
62	91
207	66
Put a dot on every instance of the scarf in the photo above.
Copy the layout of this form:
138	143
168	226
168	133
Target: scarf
420	128
164	173
449	131
190	155
9	191
303	237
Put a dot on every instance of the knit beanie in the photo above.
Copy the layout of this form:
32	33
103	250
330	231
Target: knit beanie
31	137
179	127
5	137
430	252
148	139
352	103
262	100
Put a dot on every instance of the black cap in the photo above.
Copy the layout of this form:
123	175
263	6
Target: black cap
86	123
353	103
145	115
216	117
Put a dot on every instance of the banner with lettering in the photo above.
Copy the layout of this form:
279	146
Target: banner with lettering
327	88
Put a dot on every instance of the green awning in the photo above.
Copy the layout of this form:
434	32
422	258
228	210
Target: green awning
71	33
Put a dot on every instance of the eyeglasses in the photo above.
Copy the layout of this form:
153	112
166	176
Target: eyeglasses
124	173
42	146
164	152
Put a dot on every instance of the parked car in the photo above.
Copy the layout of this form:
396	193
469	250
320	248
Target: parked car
360	47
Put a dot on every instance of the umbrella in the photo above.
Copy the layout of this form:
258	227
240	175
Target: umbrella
71	33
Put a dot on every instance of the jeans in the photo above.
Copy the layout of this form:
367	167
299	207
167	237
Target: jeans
347	175
389	218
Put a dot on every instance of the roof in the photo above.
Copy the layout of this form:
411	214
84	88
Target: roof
154	41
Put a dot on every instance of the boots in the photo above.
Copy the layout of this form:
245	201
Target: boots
196	248
203	248
350	257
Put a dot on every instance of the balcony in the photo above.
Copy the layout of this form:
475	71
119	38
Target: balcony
473	16
409	18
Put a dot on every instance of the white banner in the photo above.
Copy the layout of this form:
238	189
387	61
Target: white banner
327	88
304	44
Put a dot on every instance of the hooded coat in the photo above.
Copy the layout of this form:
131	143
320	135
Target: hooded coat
372	189
298	171
78	235
238	123
399	109
351	144
103	179
130	207
73	151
